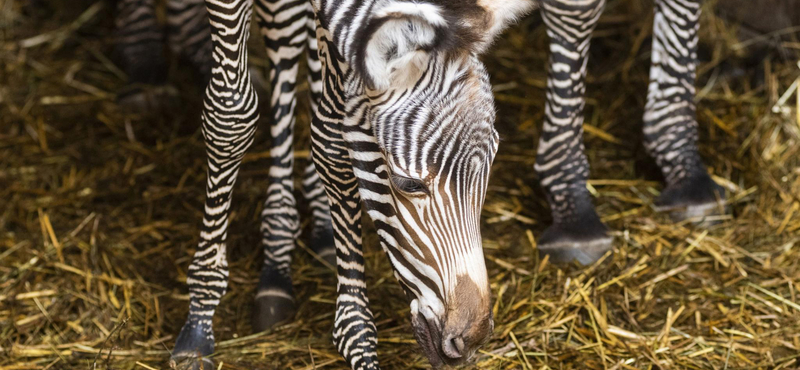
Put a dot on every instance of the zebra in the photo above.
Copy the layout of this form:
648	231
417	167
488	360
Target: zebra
670	126
402	124
361	161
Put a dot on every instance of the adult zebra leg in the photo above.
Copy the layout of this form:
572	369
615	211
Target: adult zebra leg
670	120
283	26
230	112
188	33
577	232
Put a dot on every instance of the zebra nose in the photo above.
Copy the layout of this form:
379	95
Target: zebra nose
453	346
460	341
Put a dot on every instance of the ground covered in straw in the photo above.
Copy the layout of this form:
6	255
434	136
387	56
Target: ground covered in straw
99	214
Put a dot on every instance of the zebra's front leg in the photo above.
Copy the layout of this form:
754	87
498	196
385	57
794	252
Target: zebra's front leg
322	231
230	112
670	120
577	232
280	221
354	333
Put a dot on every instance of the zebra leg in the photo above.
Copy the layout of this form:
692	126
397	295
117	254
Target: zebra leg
577	232
322	231
282	24
230	112
354	333
670	123
139	47
189	34
139	41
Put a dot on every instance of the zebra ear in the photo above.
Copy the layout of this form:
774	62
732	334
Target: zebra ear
499	14
398	43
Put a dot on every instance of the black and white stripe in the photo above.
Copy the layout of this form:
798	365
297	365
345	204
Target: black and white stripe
670	124
230	112
188	33
139	39
403	124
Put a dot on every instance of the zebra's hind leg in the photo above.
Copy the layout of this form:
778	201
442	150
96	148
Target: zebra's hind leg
229	122
577	232
283	26
189	35
139	47
670	120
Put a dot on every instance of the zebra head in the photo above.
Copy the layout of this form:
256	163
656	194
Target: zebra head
430	107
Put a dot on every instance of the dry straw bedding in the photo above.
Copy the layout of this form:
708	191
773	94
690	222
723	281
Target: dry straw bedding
99	212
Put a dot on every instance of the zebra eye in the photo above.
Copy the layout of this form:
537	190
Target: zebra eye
409	186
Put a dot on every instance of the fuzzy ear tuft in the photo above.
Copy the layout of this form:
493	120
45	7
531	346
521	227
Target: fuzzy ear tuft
398	43
499	15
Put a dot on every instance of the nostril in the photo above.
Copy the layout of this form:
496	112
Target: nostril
453	346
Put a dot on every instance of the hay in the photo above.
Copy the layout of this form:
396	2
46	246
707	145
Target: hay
99	212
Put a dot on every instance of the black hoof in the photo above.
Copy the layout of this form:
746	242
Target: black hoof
322	243
191	363
584	239
694	198
273	306
194	344
274	301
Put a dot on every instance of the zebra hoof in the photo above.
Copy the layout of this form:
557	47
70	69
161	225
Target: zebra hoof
191	363
194	343
273	306
274	302
323	245
585	241
694	199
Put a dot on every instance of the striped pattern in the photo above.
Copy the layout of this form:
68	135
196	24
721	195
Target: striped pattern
284	26
230	112
189	34
561	159
417	154
286	31
138	41
670	124
403	124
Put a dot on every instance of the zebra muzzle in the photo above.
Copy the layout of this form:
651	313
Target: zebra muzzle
451	340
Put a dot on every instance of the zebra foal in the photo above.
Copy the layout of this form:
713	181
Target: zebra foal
402	124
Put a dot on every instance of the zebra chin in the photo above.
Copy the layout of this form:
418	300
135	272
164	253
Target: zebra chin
452	337
442	347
